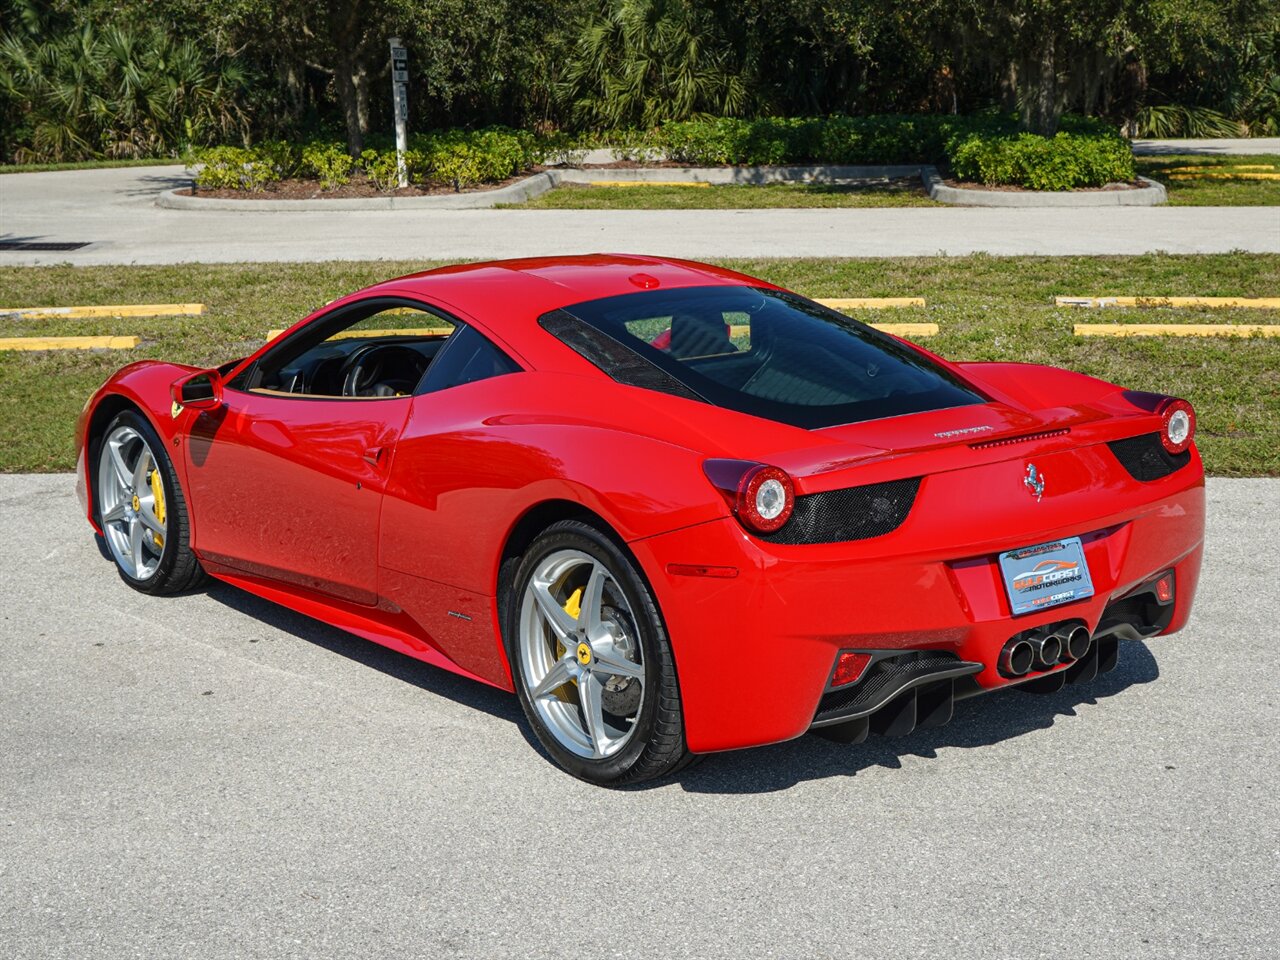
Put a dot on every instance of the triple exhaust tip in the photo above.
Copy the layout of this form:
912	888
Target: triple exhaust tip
1043	651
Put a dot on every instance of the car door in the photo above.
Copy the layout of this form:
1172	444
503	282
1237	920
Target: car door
288	473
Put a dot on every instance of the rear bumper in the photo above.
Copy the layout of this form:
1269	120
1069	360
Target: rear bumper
754	651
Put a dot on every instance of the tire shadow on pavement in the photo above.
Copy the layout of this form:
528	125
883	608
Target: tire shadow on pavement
979	722
435	680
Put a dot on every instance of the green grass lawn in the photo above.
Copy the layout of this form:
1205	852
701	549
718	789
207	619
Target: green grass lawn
1209	191
85	165
1212	191
574	196
988	308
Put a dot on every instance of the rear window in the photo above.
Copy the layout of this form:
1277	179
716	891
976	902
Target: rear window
767	353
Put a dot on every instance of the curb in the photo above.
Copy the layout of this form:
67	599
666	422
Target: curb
1149	196
518	192
728	176
540	183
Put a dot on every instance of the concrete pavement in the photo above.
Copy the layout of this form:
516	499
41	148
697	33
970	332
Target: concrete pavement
212	776
1251	146
114	212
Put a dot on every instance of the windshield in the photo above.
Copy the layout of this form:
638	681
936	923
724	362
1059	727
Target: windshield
767	353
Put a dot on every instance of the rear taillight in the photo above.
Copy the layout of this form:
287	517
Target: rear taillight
1177	425
761	497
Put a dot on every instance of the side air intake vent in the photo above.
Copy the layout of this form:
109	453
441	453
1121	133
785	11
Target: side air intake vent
1145	457
854	513
619	362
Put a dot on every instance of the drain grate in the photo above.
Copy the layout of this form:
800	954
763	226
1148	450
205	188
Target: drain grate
42	245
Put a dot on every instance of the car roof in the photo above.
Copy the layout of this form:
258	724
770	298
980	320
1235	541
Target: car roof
490	290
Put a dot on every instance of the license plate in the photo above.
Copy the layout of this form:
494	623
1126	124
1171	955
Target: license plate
1046	575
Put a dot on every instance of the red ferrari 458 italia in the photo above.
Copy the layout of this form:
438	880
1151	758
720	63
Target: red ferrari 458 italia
673	508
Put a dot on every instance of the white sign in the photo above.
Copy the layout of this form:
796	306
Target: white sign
400	98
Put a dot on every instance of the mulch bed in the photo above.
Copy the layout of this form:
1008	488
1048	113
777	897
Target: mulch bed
358	187
361	187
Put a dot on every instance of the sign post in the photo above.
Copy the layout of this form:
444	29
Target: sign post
400	97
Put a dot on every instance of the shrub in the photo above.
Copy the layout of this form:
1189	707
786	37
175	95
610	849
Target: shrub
562	150
239	168
985	148
1044	163
835	139
382	168
280	155
463	158
329	163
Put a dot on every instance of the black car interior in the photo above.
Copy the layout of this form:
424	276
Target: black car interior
386	348
358	367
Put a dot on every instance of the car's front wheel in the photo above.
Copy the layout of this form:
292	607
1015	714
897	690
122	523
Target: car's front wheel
594	670
141	509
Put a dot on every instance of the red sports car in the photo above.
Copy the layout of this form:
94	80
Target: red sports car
674	508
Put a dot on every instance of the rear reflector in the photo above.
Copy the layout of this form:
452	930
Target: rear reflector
1164	588
849	667
701	570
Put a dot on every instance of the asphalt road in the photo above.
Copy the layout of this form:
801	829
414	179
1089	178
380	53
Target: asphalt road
1223	146
212	776
114	212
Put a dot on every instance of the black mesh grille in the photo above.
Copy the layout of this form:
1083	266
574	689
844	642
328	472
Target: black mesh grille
1146	458
854	513
883	679
619	362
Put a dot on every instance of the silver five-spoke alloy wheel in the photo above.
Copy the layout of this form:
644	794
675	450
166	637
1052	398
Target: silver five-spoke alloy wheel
580	654
131	502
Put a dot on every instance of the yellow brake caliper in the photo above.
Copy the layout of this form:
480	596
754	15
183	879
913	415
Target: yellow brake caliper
573	607
157	492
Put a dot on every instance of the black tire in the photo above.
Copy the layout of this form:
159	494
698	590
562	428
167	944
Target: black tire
179	569
657	746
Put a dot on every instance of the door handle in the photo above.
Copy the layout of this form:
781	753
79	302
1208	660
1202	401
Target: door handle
373	456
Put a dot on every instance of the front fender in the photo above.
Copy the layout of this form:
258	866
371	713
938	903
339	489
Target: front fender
143	385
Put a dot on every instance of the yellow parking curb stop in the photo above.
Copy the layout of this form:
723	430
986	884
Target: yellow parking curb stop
1177	329
69	343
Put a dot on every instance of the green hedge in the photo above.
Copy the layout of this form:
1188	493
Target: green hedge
455	158
837	139
1044	163
983	148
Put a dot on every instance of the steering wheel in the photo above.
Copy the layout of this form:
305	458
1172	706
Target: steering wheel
363	373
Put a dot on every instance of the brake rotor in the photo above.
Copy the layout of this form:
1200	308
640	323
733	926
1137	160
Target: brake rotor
621	695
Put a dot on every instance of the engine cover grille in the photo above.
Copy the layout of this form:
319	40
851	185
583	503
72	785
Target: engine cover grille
1145	457
854	513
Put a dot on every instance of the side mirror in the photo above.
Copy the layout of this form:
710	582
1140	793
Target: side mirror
199	391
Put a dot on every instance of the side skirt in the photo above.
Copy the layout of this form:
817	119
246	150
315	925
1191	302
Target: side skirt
353	619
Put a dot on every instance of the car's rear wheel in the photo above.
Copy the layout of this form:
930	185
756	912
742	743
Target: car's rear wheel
594	670
141	510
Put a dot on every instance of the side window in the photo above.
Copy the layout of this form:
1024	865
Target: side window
470	357
379	349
